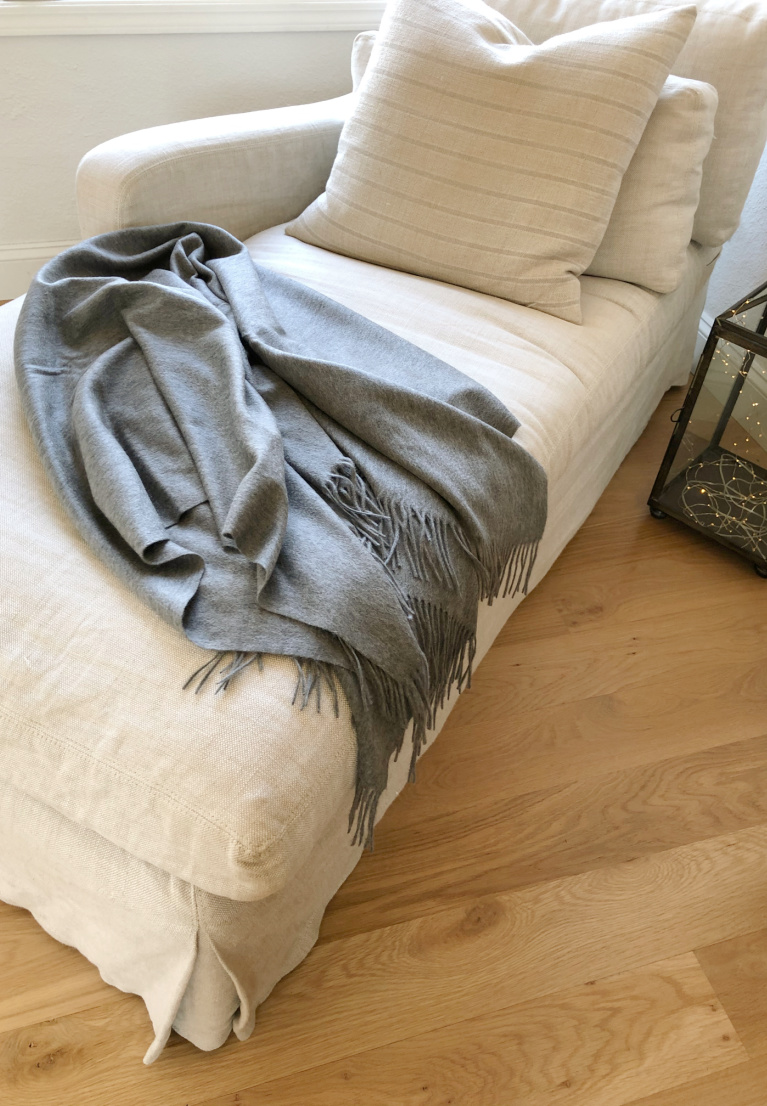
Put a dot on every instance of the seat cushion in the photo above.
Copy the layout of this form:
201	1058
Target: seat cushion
231	792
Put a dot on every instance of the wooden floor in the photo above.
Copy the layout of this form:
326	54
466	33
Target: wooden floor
570	907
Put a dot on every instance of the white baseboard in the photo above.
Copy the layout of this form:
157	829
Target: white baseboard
20	262
704	329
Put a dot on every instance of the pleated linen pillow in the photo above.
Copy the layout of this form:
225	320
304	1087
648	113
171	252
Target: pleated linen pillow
476	158
651	225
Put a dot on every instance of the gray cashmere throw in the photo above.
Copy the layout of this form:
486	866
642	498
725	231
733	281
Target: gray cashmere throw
273	473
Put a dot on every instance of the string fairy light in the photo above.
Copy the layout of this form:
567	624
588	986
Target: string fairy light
717	489
729	496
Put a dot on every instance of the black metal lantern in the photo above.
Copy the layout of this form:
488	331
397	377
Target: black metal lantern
714	474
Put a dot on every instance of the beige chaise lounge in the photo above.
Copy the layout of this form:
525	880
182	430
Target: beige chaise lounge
188	846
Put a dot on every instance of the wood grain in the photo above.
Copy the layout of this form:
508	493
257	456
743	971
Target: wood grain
738	970
600	1044
743	1085
501	844
373	989
39	973
633	726
592	815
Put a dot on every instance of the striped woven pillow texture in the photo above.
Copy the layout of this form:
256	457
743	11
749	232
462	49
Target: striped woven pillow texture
476	158
652	222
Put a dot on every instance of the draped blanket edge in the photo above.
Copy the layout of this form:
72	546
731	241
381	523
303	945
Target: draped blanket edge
273	473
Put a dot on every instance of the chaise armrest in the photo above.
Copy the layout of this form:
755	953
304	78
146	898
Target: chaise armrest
242	172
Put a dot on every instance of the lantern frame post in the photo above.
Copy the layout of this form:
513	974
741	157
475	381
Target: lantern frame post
752	341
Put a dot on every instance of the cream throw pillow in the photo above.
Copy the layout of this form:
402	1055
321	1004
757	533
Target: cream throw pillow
476	158
727	48
652	222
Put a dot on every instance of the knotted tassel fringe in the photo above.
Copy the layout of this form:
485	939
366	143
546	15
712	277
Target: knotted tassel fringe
391	530
356	501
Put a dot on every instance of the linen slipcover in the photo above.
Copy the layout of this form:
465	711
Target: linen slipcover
231	792
726	48
203	962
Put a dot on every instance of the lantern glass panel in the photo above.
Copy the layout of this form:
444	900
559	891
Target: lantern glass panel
751	313
745	431
714	474
717	481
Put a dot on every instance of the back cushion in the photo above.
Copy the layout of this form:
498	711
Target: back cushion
361	50
726	48
652	222
474	157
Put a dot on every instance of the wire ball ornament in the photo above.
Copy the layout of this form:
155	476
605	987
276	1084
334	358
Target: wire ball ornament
728	495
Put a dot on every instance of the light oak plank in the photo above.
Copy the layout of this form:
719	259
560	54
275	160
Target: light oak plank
534	620
373	989
743	1085
601	660
571	673
39	973
502	844
629	727
634	535
495	778
667	576
738	970
600	1044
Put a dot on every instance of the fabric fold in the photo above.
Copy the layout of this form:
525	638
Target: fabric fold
273	473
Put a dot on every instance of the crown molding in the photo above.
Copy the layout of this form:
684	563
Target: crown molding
159	17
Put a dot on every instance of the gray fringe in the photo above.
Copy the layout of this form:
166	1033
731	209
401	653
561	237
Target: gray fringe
312	676
428	545
394	532
501	573
449	647
391	530
400	703
373	524
362	816
238	663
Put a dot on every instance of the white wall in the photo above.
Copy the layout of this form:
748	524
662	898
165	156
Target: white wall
743	264
62	95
